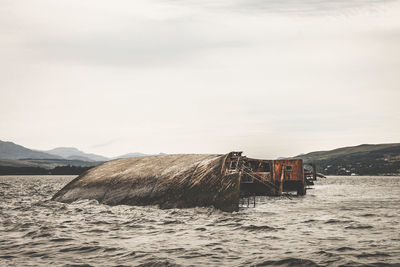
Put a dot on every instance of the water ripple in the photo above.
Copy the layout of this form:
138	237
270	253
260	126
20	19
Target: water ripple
358	227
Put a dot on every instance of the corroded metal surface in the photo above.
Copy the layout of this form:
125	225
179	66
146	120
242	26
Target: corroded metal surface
290	170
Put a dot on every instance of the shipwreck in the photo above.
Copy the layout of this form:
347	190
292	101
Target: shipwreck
189	180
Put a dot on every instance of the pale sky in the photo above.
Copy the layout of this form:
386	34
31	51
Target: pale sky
268	77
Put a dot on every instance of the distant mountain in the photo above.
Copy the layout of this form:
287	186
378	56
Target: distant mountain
366	159
73	153
16	159
9	150
136	154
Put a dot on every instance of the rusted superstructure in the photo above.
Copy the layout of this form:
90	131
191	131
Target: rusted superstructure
183	181
268	177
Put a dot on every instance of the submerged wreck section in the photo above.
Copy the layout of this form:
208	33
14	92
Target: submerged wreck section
168	181
183	181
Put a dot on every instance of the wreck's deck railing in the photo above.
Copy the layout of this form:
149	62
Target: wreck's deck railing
256	177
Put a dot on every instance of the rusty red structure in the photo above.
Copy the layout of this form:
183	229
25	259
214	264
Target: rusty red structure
268	177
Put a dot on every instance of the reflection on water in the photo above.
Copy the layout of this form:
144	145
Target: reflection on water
344	220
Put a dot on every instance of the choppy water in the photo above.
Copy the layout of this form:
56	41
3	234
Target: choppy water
343	221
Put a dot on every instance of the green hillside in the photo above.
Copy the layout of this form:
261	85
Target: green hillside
380	159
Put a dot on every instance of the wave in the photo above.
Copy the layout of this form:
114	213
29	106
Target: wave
345	249
334	221
165	263
290	262
368	255
359	227
259	228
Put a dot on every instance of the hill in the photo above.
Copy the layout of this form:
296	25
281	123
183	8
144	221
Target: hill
366	159
73	153
16	159
12	151
9	150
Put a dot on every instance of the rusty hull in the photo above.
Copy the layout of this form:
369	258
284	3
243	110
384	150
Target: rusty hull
184	181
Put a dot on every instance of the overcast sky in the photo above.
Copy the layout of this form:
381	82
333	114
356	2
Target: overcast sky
268	77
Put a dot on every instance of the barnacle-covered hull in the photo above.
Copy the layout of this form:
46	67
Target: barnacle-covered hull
170	181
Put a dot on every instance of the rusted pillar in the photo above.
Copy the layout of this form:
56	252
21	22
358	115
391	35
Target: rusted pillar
281	181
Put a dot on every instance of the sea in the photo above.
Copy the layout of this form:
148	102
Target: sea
342	221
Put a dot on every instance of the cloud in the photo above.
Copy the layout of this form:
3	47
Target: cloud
155	43
268	77
105	144
291	7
